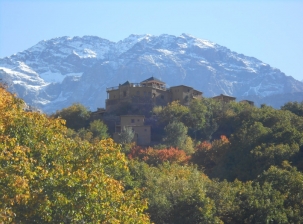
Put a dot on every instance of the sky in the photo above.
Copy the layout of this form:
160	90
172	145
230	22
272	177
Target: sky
269	30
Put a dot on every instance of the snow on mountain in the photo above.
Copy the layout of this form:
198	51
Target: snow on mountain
55	73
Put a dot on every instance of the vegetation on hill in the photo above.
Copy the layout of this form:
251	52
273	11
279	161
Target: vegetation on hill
213	163
250	159
46	177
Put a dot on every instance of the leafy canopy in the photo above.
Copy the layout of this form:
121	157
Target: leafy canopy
46	177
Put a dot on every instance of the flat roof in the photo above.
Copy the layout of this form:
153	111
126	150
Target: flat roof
186	87
153	79
221	95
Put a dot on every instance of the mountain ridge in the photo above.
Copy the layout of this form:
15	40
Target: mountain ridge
56	73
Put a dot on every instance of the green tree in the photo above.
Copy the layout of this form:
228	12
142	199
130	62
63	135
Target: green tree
188	146
127	135
176	194
294	107
76	116
175	134
99	129
259	138
250	202
195	118
173	112
211	116
289	182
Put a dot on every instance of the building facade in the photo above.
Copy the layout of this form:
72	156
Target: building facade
248	102
224	98
142	133
148	93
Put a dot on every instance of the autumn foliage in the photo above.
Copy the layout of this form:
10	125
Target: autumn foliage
46	177
158	156
248	171
209	154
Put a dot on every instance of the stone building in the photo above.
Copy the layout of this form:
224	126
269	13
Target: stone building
184	94
148	93
136	122
248	102
98	114
224	98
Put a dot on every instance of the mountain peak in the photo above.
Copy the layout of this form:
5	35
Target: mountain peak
57	72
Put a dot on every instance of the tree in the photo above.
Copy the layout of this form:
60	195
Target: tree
259	138
99	129
289	182
176	194
173	112
195	119
158	156
76	116
175	134
126	136
294	107
188	146
46	177
210	155
249	202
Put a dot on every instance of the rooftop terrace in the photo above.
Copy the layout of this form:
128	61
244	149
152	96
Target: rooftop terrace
161	87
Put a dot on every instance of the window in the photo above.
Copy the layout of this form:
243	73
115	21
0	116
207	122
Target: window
138	120
162	97
132	120
124	93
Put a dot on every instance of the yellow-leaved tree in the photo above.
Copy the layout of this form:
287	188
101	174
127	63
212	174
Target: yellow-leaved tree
46	177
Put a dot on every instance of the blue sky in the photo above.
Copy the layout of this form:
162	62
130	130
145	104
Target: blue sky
270	30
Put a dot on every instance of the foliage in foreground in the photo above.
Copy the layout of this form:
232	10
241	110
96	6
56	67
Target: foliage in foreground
176	194
46	177
50	174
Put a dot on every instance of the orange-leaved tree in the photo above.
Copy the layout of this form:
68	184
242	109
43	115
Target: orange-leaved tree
159	156
209	155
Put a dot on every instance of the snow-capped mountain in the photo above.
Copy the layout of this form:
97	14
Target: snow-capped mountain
56	73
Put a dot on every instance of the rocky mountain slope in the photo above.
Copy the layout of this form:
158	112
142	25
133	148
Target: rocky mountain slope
56	73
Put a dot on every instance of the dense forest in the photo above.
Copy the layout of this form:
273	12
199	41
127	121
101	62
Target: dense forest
210	162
